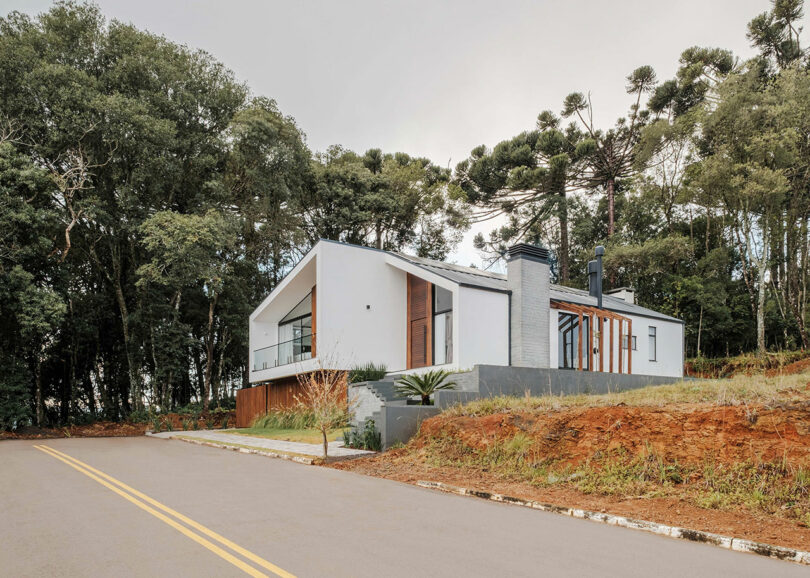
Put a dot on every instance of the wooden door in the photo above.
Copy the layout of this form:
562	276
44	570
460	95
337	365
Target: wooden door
420	323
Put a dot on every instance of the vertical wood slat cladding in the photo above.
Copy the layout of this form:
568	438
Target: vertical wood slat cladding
420	323
283	393
250	404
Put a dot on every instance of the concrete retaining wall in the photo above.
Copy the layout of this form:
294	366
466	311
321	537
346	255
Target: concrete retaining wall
399	423
495	380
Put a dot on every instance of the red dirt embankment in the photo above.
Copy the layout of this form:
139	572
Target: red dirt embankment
688	434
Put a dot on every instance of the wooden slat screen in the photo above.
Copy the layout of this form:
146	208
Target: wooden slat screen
420	346
250	404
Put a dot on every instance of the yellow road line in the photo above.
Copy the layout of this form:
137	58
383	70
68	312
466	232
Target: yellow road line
97	475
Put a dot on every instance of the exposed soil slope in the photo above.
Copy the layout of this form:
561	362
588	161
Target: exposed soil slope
740	470
689	434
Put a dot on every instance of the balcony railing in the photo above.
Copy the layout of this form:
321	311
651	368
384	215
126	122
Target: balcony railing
284	353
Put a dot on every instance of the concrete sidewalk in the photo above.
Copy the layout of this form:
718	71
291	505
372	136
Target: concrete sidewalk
336	448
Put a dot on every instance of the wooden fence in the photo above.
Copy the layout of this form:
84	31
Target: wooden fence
258	400
250	404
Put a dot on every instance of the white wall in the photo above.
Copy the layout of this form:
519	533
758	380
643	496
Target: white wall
362	308
483	328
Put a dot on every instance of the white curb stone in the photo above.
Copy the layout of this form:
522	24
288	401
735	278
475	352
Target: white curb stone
727	542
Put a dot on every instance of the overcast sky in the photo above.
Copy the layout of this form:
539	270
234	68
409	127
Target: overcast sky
436	78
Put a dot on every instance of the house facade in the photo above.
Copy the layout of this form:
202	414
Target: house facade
344	305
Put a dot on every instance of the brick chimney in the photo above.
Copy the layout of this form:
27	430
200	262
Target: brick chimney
528	277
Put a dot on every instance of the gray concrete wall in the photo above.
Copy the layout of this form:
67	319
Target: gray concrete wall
495	380
399	423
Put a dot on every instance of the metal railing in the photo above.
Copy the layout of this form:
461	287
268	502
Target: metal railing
284	353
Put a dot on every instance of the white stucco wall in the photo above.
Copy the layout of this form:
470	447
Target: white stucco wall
361	307
483	328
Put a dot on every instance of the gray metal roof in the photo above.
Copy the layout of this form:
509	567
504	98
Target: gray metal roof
472	277
467	276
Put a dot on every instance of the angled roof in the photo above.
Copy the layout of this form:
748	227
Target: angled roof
472	277
487	280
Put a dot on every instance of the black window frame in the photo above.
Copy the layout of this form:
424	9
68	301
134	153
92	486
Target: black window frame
435	313
652	334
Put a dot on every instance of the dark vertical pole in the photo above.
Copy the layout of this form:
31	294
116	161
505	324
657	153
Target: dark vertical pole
600	251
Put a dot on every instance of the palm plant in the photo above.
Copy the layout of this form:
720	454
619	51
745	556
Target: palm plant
424	385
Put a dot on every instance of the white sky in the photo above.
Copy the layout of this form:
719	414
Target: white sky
436	78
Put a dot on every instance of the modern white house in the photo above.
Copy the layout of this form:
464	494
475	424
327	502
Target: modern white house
345	305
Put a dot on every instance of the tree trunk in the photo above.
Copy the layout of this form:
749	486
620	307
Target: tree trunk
209	353
564	248
40	414
325	445
426	400
611	200
134	386
763	267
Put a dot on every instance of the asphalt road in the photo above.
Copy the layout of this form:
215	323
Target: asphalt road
284	518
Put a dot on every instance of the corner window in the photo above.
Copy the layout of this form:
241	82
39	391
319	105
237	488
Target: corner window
295	333
442	326
653	338
568	337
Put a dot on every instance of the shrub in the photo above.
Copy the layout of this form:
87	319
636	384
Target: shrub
186	424
15	399
168	423
367	372
368	438
424	385
209	423
139	416
286	418
225	421
157	423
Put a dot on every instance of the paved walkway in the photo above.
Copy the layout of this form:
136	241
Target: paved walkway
336	449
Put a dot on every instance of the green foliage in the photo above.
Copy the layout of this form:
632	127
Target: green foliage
293	418
367	372
424	385
225	422
15	400
365	438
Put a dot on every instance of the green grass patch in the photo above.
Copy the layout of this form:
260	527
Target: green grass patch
734	391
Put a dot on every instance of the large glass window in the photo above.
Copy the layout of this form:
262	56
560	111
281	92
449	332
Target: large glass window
653	339
295	333
568	336
442	326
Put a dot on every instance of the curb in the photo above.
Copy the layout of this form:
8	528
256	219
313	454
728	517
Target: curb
727	542
223	446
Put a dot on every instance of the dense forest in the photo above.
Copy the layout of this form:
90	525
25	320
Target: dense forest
149	200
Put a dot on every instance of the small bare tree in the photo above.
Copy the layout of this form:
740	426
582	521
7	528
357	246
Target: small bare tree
325	393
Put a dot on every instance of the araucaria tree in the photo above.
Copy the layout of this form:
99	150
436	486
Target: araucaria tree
527	179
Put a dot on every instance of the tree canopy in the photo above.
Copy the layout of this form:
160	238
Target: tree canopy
149	200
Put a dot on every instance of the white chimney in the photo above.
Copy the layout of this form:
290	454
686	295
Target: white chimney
529	278
624	293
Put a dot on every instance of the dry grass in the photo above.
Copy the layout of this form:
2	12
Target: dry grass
756	389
